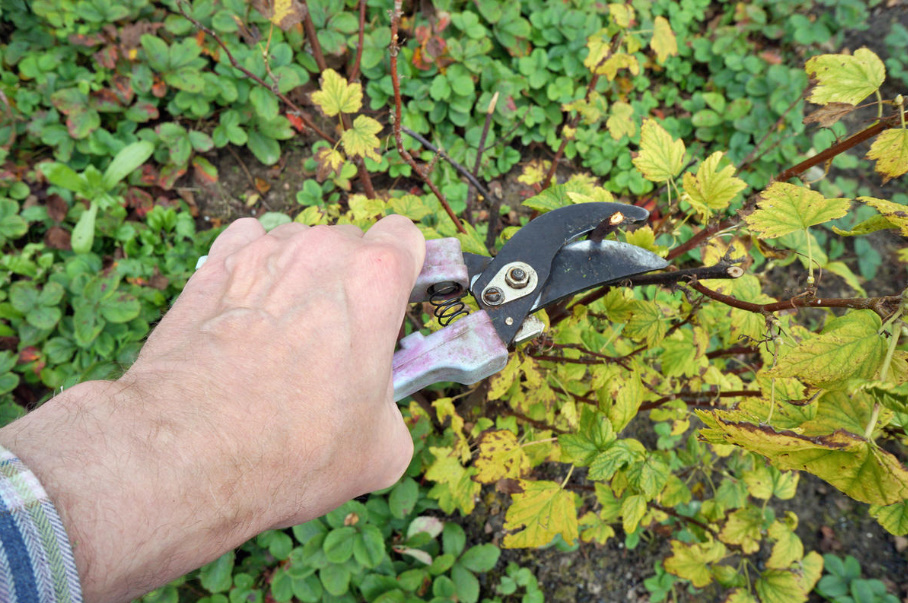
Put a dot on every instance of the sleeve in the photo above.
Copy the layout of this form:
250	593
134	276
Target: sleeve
36	560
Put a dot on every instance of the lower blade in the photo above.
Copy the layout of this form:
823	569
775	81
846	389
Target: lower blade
586	264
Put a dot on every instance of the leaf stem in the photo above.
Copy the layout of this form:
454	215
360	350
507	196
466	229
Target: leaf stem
895	331
564	483
879	100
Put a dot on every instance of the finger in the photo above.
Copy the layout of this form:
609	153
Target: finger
287	231
238	235
403	234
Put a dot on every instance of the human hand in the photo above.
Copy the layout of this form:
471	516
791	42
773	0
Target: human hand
263	399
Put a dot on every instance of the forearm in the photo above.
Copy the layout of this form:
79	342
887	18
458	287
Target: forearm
131	495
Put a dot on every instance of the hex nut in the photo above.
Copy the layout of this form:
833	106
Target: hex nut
517	278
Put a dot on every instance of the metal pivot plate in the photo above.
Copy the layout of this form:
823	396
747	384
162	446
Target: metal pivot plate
513	281
537	244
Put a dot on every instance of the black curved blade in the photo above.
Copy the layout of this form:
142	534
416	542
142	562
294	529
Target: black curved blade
537	244
583	265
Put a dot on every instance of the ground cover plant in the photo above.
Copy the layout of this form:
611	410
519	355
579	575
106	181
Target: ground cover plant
765	148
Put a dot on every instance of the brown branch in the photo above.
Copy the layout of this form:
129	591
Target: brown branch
304	117
441	153
394	50
676	515
312	36
354	72
471	194
533	422
884	306
578	397
695	399
785	175
733	351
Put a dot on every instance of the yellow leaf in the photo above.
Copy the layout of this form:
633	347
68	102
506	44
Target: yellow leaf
712	188
691	561
534	172
620	60
740	595
647	323
590	111
780	586
621	122
743	528
645	237
594	529
628	395
787	549
283	13
848	348
328	163
894	518
598	44
361	140
785	208
622	14
633	508
660	157
444	408
454	488
544	509
500	456
890	149
845	79
337	96
663	42
855	466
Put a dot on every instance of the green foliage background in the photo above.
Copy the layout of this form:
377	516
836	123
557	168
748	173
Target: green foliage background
94	251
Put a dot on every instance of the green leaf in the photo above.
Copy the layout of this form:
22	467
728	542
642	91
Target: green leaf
894	517
453	539
661	157
544	509
369	546
890	150
126	161
850	347
63	175
8	382
403	498
785	208
44	317
23	295
84	233
692	562
647	323
119	308
338	544
619	454
217	576
264	102
335	578
337	96
594	435
855	466
465	584
787	549
267	150
481	558
361	138
845	79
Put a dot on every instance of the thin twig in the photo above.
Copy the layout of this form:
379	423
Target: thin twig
394	50
751	156
676	515
732	351
471	194
884	306
304	117
441	153
354	72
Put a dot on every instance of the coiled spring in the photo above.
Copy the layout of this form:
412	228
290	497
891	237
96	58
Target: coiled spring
447	299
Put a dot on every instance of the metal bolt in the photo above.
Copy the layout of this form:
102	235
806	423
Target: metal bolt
493	296
517	278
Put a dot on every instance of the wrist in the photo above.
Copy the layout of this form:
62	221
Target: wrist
139	506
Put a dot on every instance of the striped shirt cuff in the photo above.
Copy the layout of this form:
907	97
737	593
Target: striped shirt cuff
36	561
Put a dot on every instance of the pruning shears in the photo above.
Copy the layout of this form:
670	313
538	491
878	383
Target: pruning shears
545	262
